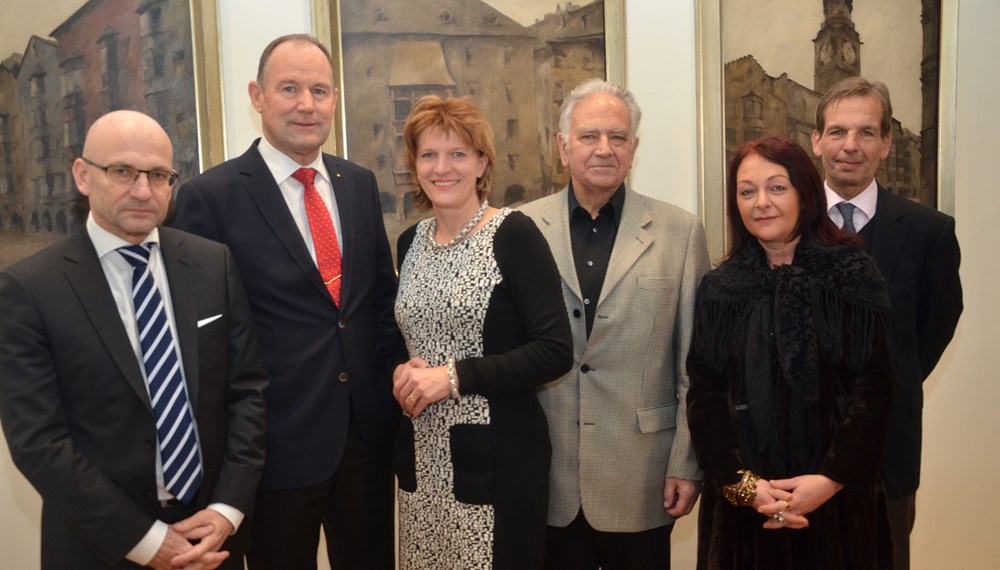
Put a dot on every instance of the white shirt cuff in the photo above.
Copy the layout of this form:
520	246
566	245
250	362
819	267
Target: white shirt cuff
232	514
143	552
147	548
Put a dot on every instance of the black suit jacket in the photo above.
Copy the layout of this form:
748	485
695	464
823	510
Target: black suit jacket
75	408
323	361
917	252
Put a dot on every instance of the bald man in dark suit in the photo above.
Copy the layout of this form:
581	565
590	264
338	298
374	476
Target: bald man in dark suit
139	419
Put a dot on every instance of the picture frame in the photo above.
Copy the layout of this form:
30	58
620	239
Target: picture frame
208	82
421	43
711	117
90	57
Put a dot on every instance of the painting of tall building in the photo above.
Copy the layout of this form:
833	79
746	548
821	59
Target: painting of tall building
107	55
758	102
573	51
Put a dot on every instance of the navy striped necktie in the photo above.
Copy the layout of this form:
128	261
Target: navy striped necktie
182	470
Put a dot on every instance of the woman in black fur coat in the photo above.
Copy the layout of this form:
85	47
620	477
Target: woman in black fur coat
791	379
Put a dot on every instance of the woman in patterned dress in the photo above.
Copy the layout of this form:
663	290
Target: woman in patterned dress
480	306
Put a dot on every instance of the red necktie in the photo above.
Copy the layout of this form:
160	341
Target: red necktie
323	233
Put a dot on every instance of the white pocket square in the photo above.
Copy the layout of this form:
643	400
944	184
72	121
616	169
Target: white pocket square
204	322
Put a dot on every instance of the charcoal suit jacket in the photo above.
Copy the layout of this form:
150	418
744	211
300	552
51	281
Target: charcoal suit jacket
75	408
917	252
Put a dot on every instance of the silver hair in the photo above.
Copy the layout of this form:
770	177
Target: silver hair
598	87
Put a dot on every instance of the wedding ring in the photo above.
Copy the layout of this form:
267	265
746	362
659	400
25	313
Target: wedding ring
779	518
787	506
411	398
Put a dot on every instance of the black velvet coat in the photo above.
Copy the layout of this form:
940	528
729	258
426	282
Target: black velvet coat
791	374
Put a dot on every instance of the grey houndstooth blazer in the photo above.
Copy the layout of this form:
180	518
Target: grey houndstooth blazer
617	420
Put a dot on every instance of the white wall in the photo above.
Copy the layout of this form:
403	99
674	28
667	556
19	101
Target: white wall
958	501
246	29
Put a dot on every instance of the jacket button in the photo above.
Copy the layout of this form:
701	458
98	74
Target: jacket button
585	368
576	313
341	324
342	377
149	444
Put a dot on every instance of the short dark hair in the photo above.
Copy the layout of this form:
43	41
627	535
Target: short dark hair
459	115
266	54
813	219
856	87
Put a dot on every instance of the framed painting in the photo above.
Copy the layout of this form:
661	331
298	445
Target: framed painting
63	67
763	65
517	58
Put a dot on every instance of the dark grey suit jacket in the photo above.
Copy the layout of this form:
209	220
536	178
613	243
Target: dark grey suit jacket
76	411
324	362
917	252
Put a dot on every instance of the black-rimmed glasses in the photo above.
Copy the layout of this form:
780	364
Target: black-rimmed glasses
124	174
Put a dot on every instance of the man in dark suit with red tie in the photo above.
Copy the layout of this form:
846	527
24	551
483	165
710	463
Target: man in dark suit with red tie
131	381
917	252
307	232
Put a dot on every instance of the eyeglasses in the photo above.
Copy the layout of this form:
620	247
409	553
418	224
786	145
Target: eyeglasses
124	174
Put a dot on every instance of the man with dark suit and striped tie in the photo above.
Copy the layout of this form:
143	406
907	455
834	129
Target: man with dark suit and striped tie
917	252
131	382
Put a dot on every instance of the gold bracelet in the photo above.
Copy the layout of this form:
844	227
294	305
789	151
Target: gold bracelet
744	493
453	379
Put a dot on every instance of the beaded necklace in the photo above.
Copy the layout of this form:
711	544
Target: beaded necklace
463	233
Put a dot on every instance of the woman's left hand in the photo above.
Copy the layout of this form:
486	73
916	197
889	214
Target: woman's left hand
416	385
799	496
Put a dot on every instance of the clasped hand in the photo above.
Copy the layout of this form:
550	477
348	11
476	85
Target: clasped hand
793	499
208	529
416	385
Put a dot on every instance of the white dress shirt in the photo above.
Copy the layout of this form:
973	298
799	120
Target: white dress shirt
864	205
282	167
118	272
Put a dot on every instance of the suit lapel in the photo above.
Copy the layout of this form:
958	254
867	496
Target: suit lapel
264	191
184	300
555	227
347	209
631	242
86	277
889	233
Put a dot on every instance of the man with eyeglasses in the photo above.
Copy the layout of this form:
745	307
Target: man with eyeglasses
131	381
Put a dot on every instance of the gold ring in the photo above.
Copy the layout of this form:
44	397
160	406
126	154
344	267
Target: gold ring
411	398
787	506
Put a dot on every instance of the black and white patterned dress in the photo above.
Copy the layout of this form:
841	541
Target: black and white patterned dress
473	472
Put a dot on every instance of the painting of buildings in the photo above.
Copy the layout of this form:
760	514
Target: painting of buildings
396	51
757	102
109	54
